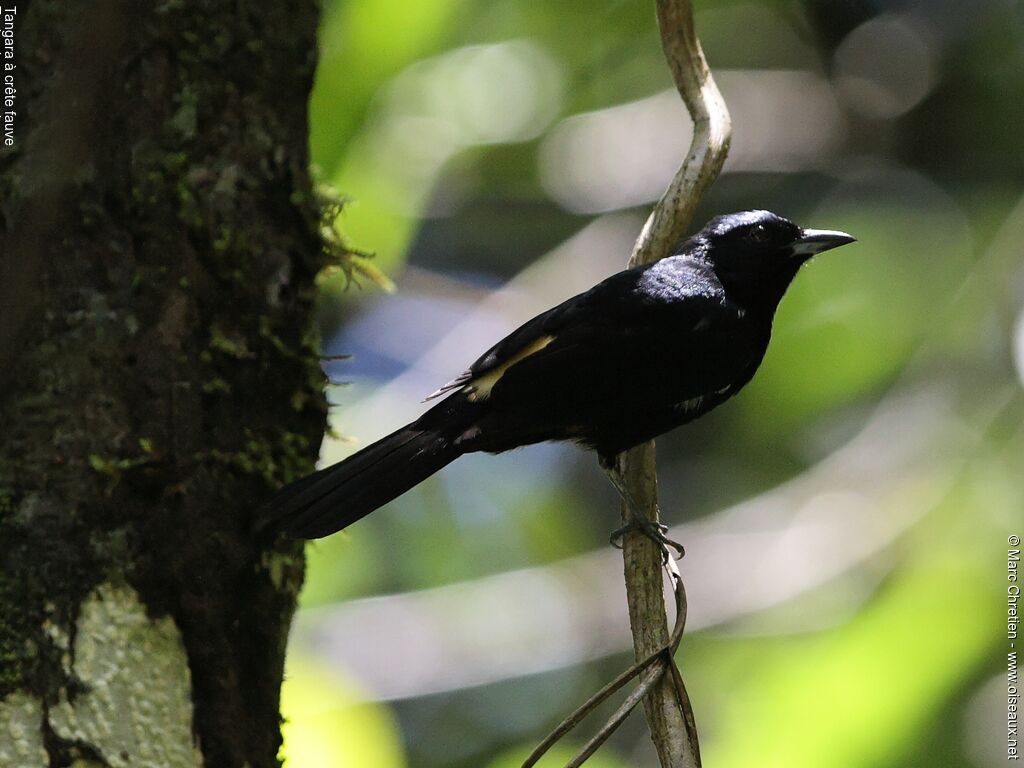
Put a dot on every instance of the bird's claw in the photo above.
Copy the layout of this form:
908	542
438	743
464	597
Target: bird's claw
652	530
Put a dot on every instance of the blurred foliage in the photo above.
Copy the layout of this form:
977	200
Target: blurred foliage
837	305
436	119
863	694
327	722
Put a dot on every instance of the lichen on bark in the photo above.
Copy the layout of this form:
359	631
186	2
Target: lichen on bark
134	706
21	732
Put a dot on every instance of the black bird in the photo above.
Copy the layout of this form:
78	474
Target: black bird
638	354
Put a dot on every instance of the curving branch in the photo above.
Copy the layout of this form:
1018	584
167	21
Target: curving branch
669	715
633	473
712	130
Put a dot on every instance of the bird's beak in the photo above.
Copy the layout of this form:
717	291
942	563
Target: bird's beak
812	241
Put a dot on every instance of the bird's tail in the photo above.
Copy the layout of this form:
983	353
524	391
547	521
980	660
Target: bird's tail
336	496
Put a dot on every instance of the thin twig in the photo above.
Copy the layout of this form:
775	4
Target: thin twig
587	707
649	681
666	659
659	659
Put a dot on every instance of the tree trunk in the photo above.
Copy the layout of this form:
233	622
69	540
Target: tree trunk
158	376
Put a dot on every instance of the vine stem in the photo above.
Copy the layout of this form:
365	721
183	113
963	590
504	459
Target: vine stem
667	706
669	714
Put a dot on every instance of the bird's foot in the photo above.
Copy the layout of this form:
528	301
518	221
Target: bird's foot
652	530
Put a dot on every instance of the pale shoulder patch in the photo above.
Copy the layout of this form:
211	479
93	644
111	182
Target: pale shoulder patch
480	387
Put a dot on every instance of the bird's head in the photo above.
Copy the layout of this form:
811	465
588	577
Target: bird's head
760	245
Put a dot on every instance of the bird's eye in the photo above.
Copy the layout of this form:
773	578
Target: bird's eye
758	233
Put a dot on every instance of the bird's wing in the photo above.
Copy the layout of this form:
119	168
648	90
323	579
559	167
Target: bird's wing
528	338
613	306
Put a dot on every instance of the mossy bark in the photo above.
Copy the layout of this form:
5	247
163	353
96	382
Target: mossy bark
158	247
